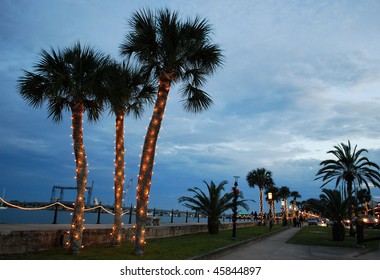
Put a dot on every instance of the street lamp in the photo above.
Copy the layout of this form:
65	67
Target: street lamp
283	208
234	207
270	199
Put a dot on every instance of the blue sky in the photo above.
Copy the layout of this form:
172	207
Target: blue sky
299	78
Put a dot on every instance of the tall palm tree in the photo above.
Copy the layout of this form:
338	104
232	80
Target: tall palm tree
284	193
128	91
212	203
263	179
348	168
171	51
295	195
69	79
335	209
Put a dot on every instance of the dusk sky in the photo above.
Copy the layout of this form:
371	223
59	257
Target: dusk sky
299	77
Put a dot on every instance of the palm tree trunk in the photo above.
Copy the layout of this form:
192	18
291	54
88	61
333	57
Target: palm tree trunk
119	180
147	162
286	209
261	202
338	233
75	240
213	224
349	191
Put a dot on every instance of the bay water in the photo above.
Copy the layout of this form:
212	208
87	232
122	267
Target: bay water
18	216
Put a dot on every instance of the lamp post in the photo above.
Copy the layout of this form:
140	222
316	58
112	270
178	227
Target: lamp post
270	199
234	207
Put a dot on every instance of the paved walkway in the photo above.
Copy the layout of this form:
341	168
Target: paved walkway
274	247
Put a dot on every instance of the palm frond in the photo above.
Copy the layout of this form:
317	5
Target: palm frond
65	77
128	89
213	202
161	42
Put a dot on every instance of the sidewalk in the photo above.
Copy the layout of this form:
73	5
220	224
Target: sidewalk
274	247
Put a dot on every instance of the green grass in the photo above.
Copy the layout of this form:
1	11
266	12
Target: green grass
322	236
172	248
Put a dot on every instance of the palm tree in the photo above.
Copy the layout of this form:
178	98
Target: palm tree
170	51
349	167
295	195
127	93
363	197
335	210
302	204
284	193
69	79
313	205
263	179
212	203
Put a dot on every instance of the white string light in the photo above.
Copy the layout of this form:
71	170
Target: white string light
59	204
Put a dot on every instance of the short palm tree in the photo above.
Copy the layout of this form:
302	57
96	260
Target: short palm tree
348	168
128	91
212	203
335	209
263	179
70	79
171	51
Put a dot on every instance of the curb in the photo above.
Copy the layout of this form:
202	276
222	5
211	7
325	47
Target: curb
365	252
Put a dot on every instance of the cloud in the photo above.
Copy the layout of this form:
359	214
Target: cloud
298	79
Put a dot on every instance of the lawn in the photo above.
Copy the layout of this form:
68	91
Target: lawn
172	248
322	236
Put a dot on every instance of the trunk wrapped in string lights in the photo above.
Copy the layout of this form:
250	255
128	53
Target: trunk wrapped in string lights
147	162
77	224
119	179
286	209
170	51
70	79
261	201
